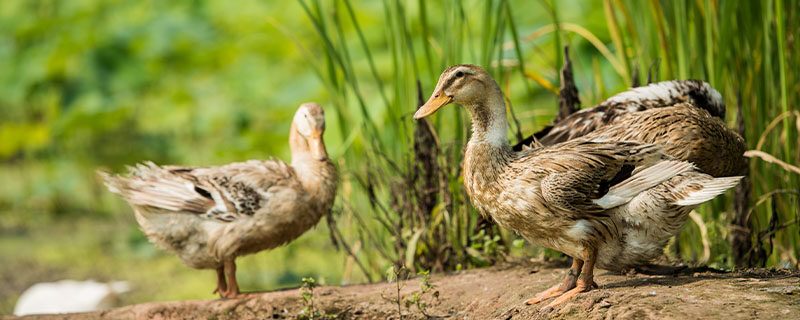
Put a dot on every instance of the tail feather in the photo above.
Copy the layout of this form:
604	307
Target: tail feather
710	189
150	185
642	180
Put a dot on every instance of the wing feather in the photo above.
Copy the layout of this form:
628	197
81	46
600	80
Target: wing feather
642	180
585	177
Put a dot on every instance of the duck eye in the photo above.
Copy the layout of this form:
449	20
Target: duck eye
459	74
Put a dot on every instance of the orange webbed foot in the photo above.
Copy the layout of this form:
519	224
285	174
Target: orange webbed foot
569	295
569	282
232	294
554	291
585	283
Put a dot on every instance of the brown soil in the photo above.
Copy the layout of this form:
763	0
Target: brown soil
499	293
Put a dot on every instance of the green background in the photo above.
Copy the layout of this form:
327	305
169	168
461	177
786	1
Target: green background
88	85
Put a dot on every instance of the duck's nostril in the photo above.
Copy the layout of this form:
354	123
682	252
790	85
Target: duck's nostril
436	96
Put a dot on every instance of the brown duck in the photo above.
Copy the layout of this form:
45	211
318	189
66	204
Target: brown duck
208	216
607	203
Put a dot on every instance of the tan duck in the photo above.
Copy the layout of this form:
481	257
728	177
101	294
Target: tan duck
653	96
208	216
610	204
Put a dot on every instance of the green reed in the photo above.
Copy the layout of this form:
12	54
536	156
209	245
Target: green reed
378	78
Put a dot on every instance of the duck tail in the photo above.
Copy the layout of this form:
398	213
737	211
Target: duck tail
708	190
153	186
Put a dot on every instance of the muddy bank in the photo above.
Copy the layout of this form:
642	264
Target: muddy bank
499	292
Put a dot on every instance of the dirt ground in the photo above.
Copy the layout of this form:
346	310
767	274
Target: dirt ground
499	293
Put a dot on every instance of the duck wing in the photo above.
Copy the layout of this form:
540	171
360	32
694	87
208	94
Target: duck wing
224	193
585	178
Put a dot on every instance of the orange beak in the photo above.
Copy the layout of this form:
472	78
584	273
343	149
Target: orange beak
436	101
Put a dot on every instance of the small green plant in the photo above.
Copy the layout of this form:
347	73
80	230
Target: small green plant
395	273
424	298
310	312
417	298
485	248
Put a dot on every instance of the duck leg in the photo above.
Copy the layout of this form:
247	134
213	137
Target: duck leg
222	285
233	285
569	282
585	281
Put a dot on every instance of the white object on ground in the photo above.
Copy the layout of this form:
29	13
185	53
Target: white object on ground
69	296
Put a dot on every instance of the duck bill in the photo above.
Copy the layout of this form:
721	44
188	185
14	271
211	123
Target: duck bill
436	101
318	151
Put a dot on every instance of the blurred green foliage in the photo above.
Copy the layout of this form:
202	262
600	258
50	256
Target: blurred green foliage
108	83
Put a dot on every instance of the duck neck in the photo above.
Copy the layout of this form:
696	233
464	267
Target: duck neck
489	123
318	177
488	151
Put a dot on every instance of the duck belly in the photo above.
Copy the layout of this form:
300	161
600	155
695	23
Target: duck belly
636	247
183	234
648	221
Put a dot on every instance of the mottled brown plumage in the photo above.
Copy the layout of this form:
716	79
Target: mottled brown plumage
656	95
685	132
208	216
610	202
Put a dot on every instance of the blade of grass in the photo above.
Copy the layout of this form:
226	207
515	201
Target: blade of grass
779	32
488	33
367	52
497	42
709	39
551	8
658	16
598	81
586	34
633	34
616	37
465	31
515	38
541	81
367	121
680	40
426	45
401	18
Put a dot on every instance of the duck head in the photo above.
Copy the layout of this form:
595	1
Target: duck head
307	129
465	84
472	87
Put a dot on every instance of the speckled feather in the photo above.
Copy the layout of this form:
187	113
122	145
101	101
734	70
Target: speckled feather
657	95
685	133
224	193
